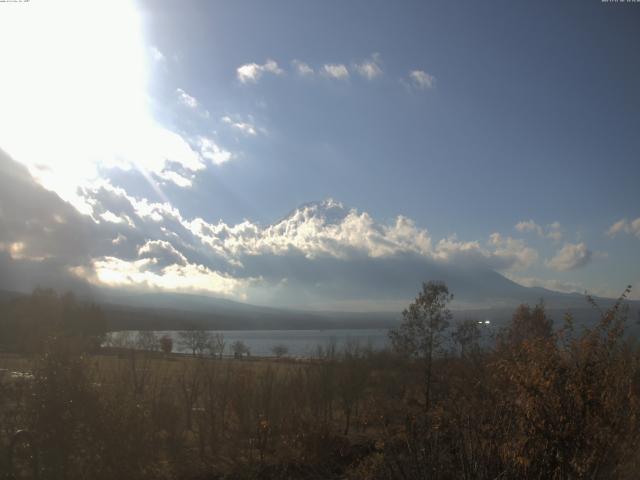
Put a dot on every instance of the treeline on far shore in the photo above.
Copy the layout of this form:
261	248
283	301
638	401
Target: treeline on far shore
543	400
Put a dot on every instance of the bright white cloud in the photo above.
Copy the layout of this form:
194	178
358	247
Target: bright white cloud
175	178
211	151
313	232
514	253
336	71
119	240
245	128
186	99
570	257
105	197
303	69
327	229
252	72
161	249
116	272
625	226
421	80
111	217
370	68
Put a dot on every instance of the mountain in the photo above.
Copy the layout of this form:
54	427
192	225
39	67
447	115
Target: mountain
169	311
330	211
311	266
346	254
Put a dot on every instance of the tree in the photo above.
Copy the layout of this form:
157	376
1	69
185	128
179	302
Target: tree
420	334
466	334
166	344
195	340
239	349
122	339
147	340
280	350
527	324
216	345
27	322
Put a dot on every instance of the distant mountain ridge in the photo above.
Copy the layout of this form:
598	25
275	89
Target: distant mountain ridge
172	311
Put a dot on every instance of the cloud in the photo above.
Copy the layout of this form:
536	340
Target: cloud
175	178
336	71
245	128
115	272
513	253
109	216
552	230
162	252
529	226
500	253
421	80
370	68
303	69
315	232
160	153
327	229
252	72
553	284
191	102
211	151
570	257
35	223
625	226
91	114
44	240
156	54
321	252
186	99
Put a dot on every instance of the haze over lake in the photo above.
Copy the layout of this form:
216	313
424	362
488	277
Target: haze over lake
300	343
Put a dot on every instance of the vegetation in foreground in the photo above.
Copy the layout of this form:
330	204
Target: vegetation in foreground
539	403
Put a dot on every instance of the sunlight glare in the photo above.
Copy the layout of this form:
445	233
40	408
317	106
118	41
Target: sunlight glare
73	93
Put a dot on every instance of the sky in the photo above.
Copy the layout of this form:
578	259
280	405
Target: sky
255	150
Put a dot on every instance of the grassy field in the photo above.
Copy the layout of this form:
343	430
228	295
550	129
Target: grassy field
538	403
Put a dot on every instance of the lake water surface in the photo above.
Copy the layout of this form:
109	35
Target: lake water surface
300	343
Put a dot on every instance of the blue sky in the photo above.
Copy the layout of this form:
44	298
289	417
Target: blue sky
501	129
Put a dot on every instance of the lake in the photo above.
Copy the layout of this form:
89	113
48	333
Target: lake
300	343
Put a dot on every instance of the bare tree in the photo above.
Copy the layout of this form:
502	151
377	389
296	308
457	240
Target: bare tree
280	350
166	344
195	340
420	334
239	349
147	340
216	344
